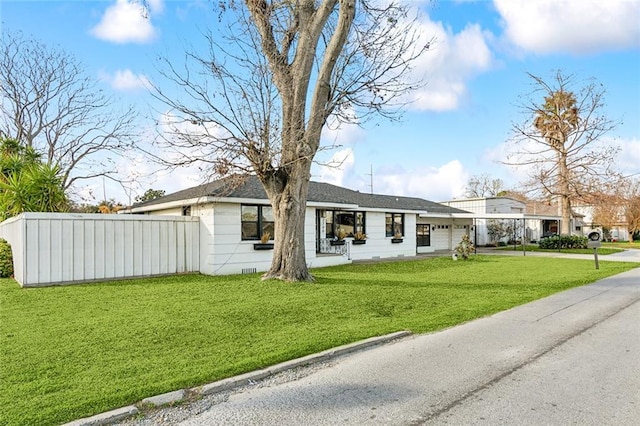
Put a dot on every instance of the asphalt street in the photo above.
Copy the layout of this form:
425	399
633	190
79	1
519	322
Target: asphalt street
571	358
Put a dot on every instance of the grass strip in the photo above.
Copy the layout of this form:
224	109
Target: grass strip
622	244
603	251
74	351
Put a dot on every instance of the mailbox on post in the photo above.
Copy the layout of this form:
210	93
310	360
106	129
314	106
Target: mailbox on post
594	243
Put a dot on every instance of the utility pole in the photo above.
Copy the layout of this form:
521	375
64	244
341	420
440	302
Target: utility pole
370	174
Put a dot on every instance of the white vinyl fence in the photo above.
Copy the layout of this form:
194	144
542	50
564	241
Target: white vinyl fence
60	248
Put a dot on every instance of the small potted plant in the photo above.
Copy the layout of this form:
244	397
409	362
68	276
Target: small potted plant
359	238
339	240
397	238
264	243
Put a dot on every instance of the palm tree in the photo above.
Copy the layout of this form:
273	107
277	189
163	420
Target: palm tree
555	121
27	184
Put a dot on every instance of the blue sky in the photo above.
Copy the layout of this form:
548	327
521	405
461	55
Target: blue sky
457	127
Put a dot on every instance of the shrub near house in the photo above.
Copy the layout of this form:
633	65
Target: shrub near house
6	260
564	242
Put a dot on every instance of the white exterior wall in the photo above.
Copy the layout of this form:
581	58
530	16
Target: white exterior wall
446	233
473	205
227	252
504	205
223	252
533	229
378	245
174	211
60	248
480	232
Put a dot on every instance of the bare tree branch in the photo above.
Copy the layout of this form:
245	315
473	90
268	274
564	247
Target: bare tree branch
49	104
560	142
258	99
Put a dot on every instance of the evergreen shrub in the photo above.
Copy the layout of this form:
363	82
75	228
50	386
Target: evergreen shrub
6	259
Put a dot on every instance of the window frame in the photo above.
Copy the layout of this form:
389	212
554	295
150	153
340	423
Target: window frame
260	222
332	224
389	227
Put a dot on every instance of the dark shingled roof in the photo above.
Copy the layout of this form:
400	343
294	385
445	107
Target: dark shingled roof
318	192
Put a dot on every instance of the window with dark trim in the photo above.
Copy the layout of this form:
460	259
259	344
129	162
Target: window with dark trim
423	235
394	224
256	221
349	221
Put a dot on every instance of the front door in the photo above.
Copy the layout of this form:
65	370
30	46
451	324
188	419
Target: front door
423	235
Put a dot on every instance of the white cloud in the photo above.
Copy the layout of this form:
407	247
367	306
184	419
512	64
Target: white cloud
127	21
628	159
502	152
573	26
452	60
626	162
435	184
335	133
156	6
336	169
432	183
171	125
126	80
138	175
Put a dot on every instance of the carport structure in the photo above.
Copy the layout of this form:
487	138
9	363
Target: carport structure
526	227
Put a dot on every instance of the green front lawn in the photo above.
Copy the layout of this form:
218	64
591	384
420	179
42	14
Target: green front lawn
623	245
74	351
604	250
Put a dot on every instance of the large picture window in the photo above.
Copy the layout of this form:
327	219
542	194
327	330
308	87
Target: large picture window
349	222
394	224
423	235
256	221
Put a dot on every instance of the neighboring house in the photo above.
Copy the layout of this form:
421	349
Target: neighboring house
550	218
532	219
233	216
618	230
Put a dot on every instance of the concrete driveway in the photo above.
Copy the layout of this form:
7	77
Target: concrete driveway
572	358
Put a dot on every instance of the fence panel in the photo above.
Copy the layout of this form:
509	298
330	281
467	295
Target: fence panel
61	248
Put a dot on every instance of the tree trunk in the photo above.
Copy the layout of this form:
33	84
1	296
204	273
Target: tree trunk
565	195
287	184
288	196
565	225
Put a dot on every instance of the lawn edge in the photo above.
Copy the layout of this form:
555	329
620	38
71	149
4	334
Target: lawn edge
173	397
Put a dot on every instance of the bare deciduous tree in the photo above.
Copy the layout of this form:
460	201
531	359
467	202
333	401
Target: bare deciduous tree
618	204
258	100
480	186
560	141
632	208
50	105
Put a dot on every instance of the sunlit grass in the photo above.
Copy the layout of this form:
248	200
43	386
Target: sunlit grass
623	244
603	250
74	351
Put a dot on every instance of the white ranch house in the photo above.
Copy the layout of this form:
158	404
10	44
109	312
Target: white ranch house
215	229
232	219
